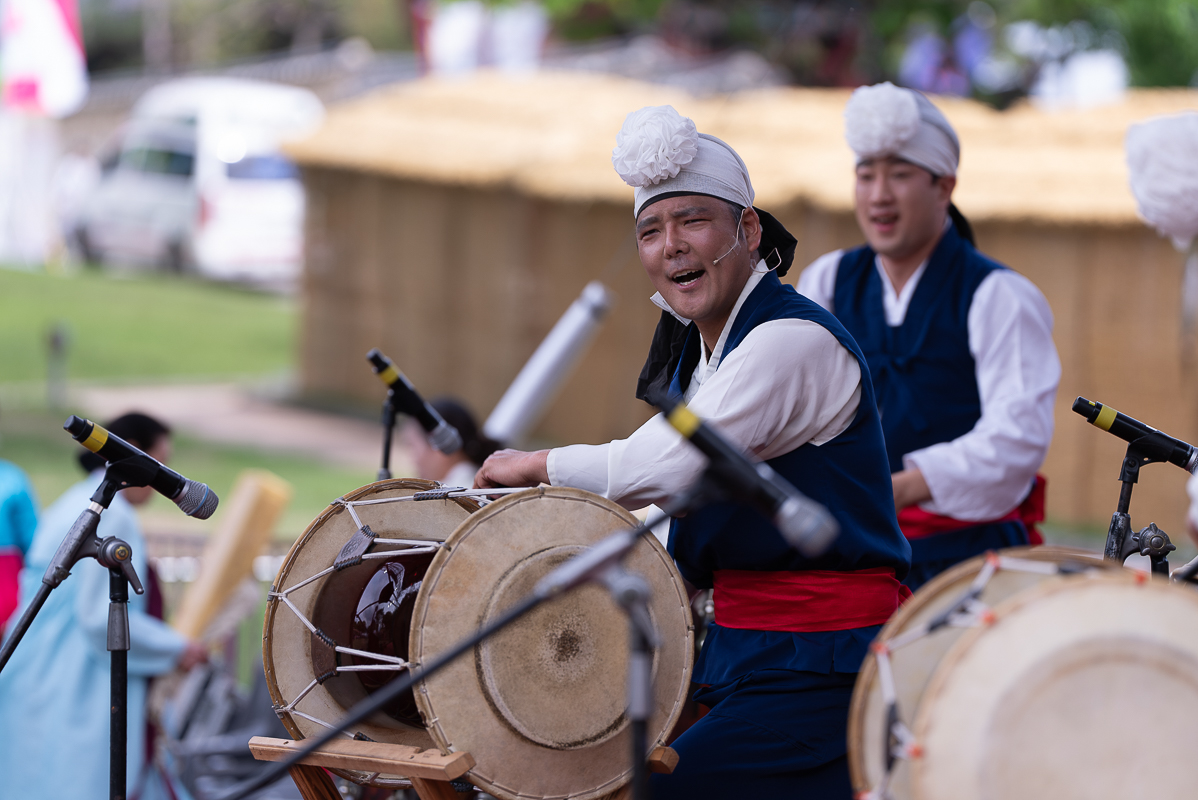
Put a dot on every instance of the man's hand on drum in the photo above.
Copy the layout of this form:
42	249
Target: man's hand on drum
513	468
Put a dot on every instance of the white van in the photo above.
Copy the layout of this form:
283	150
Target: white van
199	182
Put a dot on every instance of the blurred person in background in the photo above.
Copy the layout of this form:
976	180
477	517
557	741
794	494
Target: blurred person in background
18	520
54	693
959	346
455	469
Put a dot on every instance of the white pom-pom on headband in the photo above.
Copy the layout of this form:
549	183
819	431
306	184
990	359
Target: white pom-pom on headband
659	152
886	120
1162	157
881	119
654	144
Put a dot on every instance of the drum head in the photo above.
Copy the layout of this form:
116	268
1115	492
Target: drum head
330	603
912	665
540	706
1085	687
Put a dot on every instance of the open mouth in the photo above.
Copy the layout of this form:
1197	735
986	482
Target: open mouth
687	278
885	219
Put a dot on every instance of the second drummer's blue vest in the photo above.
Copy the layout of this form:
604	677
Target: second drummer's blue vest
923	371
849	475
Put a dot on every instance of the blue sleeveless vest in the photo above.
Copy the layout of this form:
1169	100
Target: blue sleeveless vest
848	474
923	373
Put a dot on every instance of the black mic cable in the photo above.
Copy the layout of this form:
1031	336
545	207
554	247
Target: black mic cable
441	434
805	524
193	499
1154	444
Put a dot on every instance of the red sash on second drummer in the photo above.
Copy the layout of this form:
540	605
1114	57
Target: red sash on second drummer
917	523
808	601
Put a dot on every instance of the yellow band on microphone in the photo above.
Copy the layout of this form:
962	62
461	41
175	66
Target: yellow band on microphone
96	439
390	375
1105	418
684	420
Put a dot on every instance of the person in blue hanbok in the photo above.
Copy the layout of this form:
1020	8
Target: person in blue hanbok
54	693
18	520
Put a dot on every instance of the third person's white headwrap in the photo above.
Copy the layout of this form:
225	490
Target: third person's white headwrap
886	120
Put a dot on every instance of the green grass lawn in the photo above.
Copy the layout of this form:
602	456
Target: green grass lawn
35	441
141	327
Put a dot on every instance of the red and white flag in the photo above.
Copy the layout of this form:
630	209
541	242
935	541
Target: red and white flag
42	65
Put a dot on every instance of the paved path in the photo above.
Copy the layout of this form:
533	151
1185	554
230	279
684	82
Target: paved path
232	414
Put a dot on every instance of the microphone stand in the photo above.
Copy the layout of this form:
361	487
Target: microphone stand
598	563
81	542
388	429
1151	541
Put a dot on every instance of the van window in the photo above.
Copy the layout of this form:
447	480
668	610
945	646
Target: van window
169	162
158	161
262	168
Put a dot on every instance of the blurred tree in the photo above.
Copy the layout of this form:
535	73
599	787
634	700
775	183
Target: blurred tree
1161	36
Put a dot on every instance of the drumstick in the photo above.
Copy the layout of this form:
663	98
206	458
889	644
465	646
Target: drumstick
259	497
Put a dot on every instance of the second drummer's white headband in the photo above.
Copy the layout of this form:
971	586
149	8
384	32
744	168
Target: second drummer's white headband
886	120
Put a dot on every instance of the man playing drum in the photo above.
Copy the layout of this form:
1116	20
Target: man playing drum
959	347
779	377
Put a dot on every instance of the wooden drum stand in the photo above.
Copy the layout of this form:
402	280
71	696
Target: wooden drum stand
429	770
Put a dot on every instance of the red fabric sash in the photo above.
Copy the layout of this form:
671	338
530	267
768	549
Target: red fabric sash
10	570
806	602
917	523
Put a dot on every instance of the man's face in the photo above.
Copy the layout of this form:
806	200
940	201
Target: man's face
678	239
900	207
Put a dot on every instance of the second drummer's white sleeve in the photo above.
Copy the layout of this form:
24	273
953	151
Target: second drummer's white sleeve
988	471
789	382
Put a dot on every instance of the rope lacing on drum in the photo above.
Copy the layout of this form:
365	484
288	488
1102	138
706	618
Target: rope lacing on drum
354	552
967	611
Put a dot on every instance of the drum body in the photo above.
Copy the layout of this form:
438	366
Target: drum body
1082	688
540	706
1051	680
911	665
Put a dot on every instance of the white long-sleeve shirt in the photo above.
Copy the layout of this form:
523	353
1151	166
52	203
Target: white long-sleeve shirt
987	472
789	382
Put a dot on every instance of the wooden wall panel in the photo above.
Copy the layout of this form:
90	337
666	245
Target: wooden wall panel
460	285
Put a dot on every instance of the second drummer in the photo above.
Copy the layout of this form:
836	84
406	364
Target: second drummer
780	378
959	346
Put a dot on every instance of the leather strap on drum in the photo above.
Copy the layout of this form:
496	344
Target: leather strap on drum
351	554
806	602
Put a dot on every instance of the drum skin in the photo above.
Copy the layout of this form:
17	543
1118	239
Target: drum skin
1083	688
287	644
540	706
914	664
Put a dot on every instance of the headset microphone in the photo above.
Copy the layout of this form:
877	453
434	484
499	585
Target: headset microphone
735	244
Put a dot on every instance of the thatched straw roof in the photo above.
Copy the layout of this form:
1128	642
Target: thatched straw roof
551	135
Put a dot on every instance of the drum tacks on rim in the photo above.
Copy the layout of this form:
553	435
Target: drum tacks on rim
1030	673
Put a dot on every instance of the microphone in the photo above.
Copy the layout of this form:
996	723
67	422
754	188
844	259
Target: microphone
805	524
538	381
193	499
441	434
1156	445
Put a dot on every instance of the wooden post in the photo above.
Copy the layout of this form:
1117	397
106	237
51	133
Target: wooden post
258	499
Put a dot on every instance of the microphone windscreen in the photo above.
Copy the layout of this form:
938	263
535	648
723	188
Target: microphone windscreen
197	500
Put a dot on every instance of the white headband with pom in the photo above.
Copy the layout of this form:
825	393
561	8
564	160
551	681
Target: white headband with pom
658	151
885	120
1162	157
